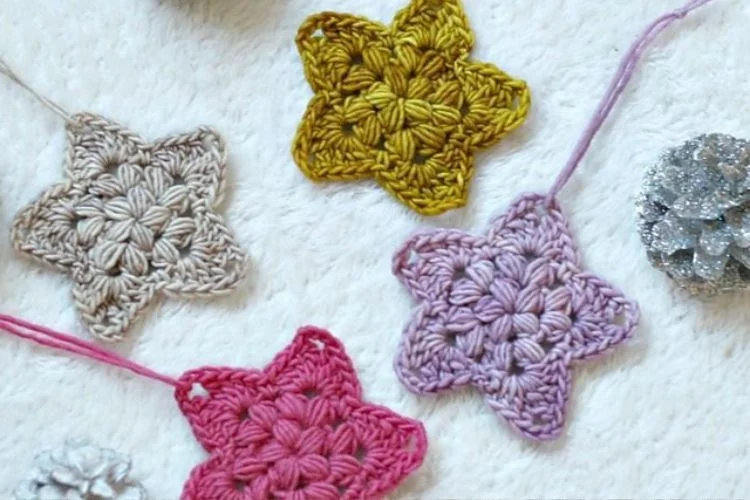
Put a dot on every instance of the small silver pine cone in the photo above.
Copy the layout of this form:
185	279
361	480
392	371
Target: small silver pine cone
80	470
695	214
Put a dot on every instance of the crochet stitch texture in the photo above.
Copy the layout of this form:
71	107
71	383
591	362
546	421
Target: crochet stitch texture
133	219
297	429
403	104
507	313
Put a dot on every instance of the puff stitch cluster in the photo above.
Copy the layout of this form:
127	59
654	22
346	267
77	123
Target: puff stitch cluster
133	219
403	104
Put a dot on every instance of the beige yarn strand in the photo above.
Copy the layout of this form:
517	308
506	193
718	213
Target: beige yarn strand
53	106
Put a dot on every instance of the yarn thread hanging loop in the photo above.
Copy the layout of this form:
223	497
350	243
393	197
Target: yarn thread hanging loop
50	104
57	340
615	90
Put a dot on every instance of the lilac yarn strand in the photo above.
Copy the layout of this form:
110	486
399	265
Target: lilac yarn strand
616	88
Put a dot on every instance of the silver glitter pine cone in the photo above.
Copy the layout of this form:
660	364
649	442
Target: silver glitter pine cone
80	470
695	214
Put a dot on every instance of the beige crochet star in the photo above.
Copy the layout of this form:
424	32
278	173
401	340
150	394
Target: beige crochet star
132	220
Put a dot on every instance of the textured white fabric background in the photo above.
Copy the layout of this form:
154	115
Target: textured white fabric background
665	416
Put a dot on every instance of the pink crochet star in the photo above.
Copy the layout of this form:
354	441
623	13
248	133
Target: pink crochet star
296	430
507	313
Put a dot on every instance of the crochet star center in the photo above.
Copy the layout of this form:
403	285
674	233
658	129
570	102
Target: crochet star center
403	104
298	429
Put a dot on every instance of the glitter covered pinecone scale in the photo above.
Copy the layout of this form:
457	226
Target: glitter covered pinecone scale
695	214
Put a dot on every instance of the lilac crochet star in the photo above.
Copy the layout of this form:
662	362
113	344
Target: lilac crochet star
507	313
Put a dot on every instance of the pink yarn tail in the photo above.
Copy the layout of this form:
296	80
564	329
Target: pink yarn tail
61	341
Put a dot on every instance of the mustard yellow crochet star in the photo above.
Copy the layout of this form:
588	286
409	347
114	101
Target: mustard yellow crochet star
404	104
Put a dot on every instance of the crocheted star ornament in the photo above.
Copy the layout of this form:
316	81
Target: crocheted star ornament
507	313
403	104
297	429
132	220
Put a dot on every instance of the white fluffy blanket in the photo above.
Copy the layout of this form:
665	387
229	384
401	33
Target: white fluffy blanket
665	416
